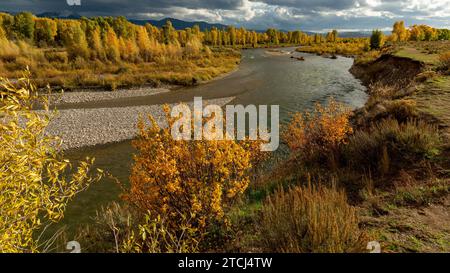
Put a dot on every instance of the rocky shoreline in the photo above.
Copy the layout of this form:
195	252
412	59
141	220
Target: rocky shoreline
89	127
93	96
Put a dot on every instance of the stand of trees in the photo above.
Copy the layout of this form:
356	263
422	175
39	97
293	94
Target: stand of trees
417	33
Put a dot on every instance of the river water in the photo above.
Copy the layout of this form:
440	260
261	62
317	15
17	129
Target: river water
262	79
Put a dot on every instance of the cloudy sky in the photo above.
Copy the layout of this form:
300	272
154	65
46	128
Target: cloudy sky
314	15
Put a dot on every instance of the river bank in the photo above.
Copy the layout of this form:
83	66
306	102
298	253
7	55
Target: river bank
411	212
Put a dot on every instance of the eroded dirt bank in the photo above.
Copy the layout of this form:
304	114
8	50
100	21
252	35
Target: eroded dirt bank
388	70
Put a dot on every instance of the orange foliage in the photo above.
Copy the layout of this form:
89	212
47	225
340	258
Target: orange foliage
197	179
320	131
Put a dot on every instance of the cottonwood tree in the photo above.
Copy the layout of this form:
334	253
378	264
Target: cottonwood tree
45	31
399	32
24	25
377	39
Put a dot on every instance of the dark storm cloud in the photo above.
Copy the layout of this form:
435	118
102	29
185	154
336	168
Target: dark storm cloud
117	6
259	14
308	4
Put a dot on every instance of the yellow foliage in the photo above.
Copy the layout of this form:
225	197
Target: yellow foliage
320	131
34	183
197	179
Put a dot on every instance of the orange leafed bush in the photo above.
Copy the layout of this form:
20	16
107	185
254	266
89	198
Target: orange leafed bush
320	131
197	179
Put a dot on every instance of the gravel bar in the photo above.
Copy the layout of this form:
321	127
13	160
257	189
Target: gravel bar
92	96
89	127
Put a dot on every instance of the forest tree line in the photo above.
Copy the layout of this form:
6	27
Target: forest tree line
115	38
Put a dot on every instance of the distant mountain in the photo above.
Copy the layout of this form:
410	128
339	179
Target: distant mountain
355	34
359	34
59	15
178	24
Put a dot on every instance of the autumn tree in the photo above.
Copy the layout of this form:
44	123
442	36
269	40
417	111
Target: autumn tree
122	27
193	47
45	31
95	43
431	34
332	36
399	32
232	35
273	36
169	33
417	33
2	31
111	45
317	38
377	39
7	23
255	39
24	25
73	38
444	34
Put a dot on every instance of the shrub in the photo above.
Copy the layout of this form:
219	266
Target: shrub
310	220
402	110
35	181
57	56
121	229
444	61
156	235
392	143
378	109
197	179
319	133
111	228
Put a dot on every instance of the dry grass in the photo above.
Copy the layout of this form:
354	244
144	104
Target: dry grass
444	61
310	219
52	66
389	145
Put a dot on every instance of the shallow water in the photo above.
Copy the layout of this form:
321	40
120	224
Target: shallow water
262	79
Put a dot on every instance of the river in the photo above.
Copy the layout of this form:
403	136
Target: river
262	79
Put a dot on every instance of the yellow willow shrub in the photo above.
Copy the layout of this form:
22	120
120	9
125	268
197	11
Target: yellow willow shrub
310	220
197	179
34	179
320	132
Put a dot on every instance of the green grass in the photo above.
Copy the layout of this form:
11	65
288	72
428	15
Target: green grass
415	54
433	98
427	52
